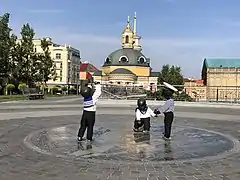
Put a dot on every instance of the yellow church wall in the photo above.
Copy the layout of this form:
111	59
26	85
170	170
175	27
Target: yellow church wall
139	71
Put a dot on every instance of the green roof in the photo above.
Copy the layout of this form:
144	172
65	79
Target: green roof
132	55
222	63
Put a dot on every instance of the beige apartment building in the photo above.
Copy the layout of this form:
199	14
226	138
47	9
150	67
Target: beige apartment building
67	62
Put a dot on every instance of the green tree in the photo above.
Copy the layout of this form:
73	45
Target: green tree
171	75
5	47
64	89
10	88
22	86
26	60
46	64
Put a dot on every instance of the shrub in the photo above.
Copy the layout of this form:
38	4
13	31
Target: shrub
10	87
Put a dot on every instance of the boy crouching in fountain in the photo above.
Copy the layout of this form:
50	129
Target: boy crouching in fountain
143	114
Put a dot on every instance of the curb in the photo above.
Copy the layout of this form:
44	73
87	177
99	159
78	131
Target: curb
177	103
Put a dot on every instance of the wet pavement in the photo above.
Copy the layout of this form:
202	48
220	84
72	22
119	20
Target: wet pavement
45	147
186	143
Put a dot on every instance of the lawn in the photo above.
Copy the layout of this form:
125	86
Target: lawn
21	97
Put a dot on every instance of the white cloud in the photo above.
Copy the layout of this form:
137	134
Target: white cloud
185	52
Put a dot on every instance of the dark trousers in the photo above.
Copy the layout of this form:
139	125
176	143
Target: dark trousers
168	120
145	122
87	122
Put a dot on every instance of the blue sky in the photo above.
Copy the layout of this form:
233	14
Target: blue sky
179	32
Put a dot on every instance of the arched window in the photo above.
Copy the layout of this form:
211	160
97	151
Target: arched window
127	39
123	59
107	60
141	60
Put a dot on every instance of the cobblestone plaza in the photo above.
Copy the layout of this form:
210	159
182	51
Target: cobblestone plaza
38	141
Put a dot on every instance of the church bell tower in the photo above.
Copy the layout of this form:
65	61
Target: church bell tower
130	39
127	36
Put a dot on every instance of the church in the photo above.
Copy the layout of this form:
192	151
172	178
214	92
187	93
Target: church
127	65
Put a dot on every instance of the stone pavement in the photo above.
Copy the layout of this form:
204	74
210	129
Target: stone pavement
37	141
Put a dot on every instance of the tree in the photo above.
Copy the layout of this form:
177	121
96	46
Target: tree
22	86
46	65
64	89
171	75
10	87
5	47
25	59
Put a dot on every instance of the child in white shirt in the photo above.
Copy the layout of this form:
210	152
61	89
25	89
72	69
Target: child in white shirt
143	114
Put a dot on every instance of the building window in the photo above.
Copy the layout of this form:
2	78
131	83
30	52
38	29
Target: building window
61	79
127	39
61	73
141	60
58	56
123	59
107	60
61	65
35	49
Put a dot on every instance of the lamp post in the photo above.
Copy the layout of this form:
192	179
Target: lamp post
68	85
236	84
77	84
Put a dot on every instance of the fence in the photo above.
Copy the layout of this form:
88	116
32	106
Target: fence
186	93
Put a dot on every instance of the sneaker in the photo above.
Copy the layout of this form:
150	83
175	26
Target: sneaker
79	139
165	138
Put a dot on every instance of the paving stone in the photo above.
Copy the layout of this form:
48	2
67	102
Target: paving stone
128	159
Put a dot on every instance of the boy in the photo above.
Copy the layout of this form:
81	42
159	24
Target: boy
168	109
143	114
89	110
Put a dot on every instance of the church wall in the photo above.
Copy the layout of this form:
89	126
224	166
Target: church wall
153	80
139	71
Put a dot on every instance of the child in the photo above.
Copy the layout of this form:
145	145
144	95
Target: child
89	110
143	114
168	110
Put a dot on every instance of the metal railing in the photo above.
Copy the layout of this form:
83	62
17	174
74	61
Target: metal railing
186	93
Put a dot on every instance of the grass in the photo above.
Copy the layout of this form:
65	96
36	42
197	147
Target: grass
11	98
21	97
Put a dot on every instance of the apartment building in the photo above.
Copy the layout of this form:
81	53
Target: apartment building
67	62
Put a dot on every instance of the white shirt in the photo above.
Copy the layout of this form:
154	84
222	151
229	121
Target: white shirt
89	104
148	114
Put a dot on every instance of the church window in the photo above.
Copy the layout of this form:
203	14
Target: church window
127	39
123	59
107	60
141	60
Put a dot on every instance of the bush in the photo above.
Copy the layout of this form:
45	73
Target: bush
21	86
54	89
10	87
64	88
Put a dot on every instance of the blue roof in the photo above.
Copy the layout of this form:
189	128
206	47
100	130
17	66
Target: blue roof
222	63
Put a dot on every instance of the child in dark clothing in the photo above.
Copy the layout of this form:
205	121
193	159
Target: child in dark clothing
89	110
168	109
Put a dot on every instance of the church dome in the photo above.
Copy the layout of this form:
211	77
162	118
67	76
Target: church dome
126	57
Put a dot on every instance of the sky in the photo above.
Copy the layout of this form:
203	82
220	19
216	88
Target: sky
175	32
